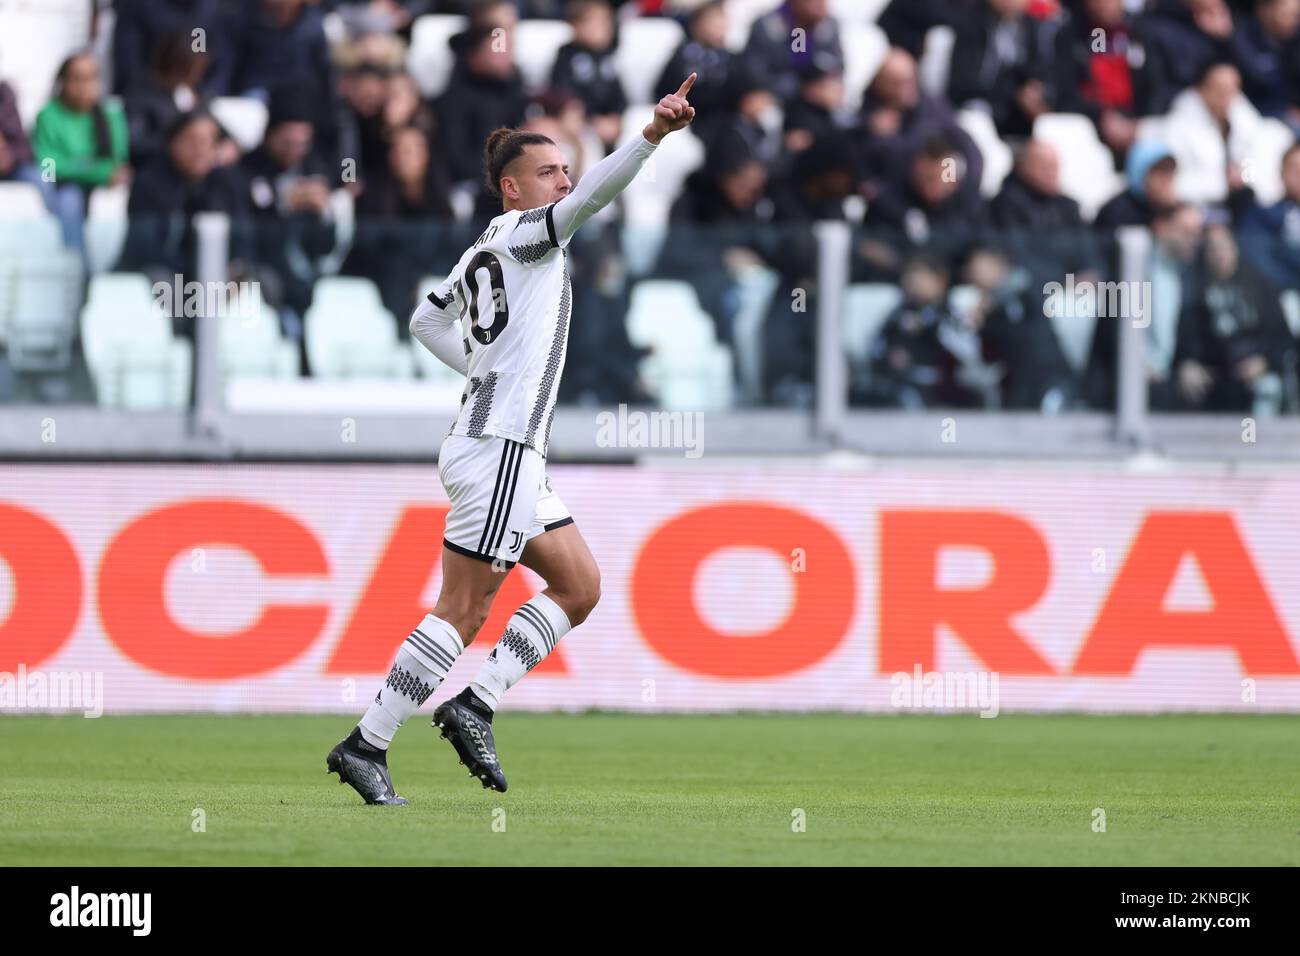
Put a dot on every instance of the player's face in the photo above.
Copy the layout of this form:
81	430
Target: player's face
538	177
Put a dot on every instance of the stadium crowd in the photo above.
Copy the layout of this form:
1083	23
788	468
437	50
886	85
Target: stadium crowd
782	150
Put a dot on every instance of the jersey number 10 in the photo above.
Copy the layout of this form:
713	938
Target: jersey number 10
469	292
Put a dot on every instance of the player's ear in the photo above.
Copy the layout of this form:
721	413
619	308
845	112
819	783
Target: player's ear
510	188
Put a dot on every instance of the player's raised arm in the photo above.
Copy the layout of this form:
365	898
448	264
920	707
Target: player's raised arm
612	174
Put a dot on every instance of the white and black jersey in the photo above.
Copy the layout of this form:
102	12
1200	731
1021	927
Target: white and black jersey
511	292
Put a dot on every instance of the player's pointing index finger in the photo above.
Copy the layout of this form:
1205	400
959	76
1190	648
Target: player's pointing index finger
686	85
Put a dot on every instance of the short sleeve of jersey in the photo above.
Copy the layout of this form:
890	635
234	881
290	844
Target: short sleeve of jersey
533	235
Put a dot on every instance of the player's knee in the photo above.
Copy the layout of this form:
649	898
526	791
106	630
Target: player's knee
583	597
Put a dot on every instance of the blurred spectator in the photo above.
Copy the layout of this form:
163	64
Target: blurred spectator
999	63
587	65
1150	170
815	186
1018	335
382	16
818	111
602	367
17	161
1170	285
716	230
289	194
915	360
1098	70
398	218
929	211
752	120
365	90
184	178
489	15
1270	237
1266	50
487	94
703	52
906	22
1234	345
280	44
1183	37
1044	227
1213	131
898	120
774	49
84	139
414	188
156	100
141	25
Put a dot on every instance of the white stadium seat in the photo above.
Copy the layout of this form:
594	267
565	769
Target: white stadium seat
20	200
251	343
865	46
135	362
644	48
866	307
536	44
1088	173
936	60
351	335
243	117
741	15
688	369
429	58
106	226
648	198
998	159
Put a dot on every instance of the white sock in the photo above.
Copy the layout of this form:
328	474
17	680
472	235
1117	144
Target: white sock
531	634
421	664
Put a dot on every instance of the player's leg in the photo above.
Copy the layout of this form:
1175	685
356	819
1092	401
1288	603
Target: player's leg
559	554
466	719
480	476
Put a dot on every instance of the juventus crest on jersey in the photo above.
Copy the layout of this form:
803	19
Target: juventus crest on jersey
511	289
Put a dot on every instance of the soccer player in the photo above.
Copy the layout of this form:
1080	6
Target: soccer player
511	292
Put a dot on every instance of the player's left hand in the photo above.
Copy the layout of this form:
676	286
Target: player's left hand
673	112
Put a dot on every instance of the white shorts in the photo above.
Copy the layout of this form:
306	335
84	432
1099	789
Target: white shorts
500	497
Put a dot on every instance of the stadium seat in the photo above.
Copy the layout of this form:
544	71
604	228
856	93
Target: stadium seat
347	292
649	198
936	60
1291	310
645	46
688	369
243	117
106	226
536	44
741	15
866	307
20	200
998	160
351	335
865	46
41	310
135	362
1265	175
1088	173
251	344
34	40
857	11
757	285
429	58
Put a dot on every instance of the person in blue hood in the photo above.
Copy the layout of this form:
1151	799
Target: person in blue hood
1150	170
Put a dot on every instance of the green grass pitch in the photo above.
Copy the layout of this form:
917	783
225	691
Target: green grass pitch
625	789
